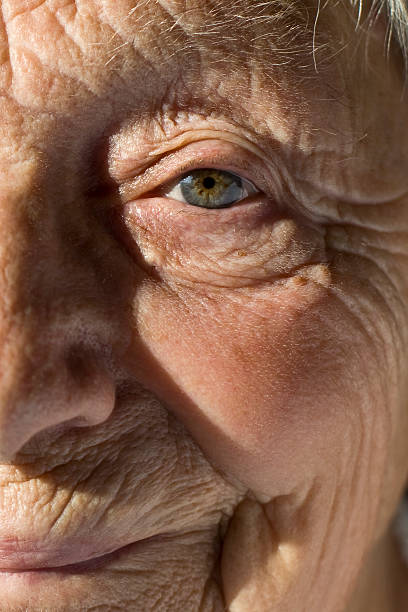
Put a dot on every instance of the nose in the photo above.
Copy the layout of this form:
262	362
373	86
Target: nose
44	387
56	314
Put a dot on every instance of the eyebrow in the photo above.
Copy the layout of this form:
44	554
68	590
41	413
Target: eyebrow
282	31
209	56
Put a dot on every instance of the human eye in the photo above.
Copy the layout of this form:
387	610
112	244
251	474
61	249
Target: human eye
212	188
210	211
206	175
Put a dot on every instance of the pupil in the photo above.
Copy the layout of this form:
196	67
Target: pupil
208	182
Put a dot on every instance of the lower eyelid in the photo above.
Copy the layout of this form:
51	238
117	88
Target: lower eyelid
243	244
158	230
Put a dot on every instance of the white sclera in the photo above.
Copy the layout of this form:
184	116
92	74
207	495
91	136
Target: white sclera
175	191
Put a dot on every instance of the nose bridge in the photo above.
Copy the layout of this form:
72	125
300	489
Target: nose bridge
52	327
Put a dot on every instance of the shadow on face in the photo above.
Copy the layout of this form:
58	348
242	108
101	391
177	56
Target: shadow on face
216	396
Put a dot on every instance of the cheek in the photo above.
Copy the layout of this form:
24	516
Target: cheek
274	383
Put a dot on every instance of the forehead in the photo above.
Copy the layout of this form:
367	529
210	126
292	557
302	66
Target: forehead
65	56
193	17
162	37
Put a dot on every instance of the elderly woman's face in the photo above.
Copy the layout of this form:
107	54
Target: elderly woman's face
204	298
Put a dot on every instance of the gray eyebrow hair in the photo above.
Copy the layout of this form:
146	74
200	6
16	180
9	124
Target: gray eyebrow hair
284	29
300	17
246	26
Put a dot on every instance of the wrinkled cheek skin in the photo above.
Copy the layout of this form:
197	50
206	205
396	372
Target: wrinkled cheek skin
282	367
259	370
281	387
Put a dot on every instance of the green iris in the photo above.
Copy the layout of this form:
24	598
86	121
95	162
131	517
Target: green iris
211	188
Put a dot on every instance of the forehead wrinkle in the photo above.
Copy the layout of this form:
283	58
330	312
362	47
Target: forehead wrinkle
149	30
191	37
166	49
256	67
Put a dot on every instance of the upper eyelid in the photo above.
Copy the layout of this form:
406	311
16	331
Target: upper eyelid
119	165
178	163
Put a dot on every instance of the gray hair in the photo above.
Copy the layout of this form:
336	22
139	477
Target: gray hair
397	13
398	16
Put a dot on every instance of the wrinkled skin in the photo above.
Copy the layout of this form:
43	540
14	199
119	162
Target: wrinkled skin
229	386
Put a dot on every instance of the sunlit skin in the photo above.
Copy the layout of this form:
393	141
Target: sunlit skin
222	392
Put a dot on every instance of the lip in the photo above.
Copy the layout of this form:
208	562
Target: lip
65	559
